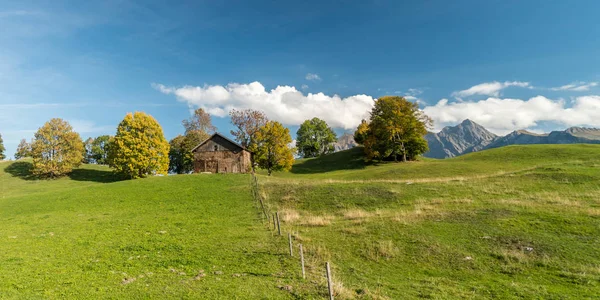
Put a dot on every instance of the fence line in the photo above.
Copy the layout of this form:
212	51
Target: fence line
266	214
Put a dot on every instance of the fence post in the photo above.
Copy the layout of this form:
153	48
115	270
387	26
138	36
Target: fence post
329	284
302	261
290	240
278	224
274	223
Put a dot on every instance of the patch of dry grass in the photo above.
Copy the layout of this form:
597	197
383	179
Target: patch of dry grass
353	214
289	215
316	221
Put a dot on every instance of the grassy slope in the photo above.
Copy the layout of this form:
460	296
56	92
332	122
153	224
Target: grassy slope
513	222
90	237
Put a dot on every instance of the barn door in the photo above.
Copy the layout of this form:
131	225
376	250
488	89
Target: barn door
212	166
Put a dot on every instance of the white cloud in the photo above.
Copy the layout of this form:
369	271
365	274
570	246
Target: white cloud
304	87
504	115
489	88
284	103
576	86
312	77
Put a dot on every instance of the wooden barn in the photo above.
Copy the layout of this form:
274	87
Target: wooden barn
218	154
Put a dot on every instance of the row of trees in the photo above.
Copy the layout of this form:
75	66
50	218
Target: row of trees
395	130
139	147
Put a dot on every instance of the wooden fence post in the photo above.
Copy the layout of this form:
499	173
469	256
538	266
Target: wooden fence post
302	261
329	284
290	240
278	224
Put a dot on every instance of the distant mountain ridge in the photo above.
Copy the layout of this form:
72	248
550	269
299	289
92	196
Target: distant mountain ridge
345	142
469	136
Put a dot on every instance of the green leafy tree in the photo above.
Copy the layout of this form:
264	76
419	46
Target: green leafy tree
177	156
99	150
315	138
139	148
397	128
2	149
23	149
271	147
247	123
57	149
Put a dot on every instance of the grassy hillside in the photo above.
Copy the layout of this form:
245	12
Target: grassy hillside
350	164
90	236
513	222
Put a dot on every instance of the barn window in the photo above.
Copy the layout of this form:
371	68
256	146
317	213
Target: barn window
216	148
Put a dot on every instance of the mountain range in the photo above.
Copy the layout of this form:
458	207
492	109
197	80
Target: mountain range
469	136
345	142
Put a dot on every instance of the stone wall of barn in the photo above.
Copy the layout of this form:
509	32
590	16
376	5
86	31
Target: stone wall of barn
215	158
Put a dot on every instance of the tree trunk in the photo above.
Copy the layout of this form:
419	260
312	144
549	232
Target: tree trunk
403	153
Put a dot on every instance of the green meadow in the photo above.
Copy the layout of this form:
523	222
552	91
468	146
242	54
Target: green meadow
518	222
90	236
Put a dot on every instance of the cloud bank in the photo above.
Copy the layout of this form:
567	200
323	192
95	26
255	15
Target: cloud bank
489	88
290	106
504	115
284	103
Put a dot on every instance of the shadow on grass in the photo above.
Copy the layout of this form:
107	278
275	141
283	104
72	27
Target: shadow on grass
95	175
352	159
22	169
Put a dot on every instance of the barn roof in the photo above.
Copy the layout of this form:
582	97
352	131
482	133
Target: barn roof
222	136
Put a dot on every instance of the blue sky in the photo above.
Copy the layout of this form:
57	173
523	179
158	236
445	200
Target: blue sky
505	64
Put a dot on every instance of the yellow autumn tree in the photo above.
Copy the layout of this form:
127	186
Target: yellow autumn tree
139	148
57	149
271	149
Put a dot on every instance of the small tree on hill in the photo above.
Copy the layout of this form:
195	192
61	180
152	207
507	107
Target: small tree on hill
397	128
23	149
2	149
200	121
57	149
248	122
271	148
315	138
177	153
139	148
99	149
